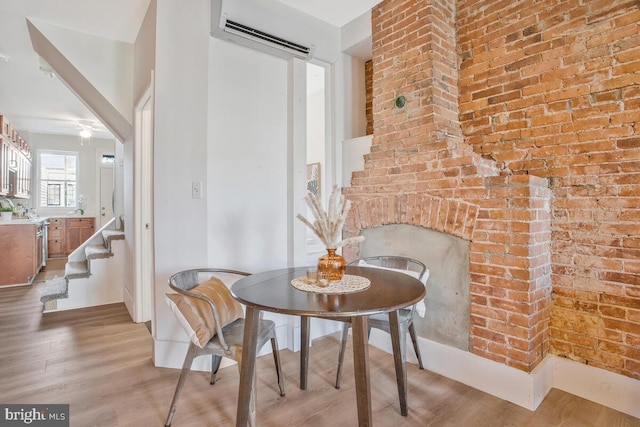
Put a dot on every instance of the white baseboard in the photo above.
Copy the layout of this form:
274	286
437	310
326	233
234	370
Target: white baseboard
317	328
128	300
598	385
170	353
499	380
527	390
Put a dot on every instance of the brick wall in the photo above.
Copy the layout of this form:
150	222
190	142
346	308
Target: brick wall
421	172
552	89
368	81
518	125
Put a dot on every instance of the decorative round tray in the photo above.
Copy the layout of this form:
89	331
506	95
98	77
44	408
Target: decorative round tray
348	284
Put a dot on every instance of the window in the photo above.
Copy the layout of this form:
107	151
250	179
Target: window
58	179
108	159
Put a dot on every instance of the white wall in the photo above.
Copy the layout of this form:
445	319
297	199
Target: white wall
127	193
107	64
355	97
180	151
353	152
316	82
144	63
355	39
247	159
226	116
144	52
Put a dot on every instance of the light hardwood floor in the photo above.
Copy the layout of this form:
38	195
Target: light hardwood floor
100	363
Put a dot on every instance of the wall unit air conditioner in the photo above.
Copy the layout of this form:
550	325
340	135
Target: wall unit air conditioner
272	28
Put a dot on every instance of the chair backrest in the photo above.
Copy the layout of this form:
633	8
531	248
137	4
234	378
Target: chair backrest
183	281
415	267
189	279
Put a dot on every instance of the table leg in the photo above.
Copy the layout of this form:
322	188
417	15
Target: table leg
304	351
361	368
247	366
399	341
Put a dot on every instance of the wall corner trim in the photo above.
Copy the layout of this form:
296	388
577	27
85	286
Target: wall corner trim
527	390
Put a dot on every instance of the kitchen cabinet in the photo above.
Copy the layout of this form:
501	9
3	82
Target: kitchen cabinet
56	245
78	230
6	155
66	234
21	254
23	178
15	162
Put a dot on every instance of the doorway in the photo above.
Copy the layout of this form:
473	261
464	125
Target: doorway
319	168
106	195
143	208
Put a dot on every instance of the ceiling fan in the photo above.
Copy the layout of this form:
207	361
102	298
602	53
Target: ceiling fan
86	128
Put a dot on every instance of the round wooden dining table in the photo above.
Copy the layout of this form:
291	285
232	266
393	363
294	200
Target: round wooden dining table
272	291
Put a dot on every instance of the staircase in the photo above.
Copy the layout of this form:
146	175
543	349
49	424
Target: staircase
95	272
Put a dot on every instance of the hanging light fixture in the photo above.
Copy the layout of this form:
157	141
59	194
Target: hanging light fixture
86	130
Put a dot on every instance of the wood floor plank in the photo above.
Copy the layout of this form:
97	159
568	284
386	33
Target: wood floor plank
99	362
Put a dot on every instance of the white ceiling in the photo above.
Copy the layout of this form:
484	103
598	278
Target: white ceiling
335	12
35	102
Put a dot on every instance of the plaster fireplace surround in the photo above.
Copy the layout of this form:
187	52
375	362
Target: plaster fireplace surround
447	318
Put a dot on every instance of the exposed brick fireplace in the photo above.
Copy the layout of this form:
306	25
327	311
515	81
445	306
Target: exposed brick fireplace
420	172
519	134
509	256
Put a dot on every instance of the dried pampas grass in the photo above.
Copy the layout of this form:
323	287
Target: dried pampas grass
328	225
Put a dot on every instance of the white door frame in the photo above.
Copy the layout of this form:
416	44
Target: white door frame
100	165
143	266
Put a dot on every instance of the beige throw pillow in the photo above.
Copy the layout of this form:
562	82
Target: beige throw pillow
195	315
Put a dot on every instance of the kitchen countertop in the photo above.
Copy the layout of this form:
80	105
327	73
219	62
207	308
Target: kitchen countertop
71	216
23	221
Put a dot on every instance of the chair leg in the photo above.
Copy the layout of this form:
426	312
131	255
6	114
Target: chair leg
414	340
304	351
252	403
399	342
251	416
215	365
343	345
186	367
276	359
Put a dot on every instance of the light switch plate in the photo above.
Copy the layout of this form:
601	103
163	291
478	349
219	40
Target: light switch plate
196	190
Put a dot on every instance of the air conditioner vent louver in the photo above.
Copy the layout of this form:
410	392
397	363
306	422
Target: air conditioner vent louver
260	36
